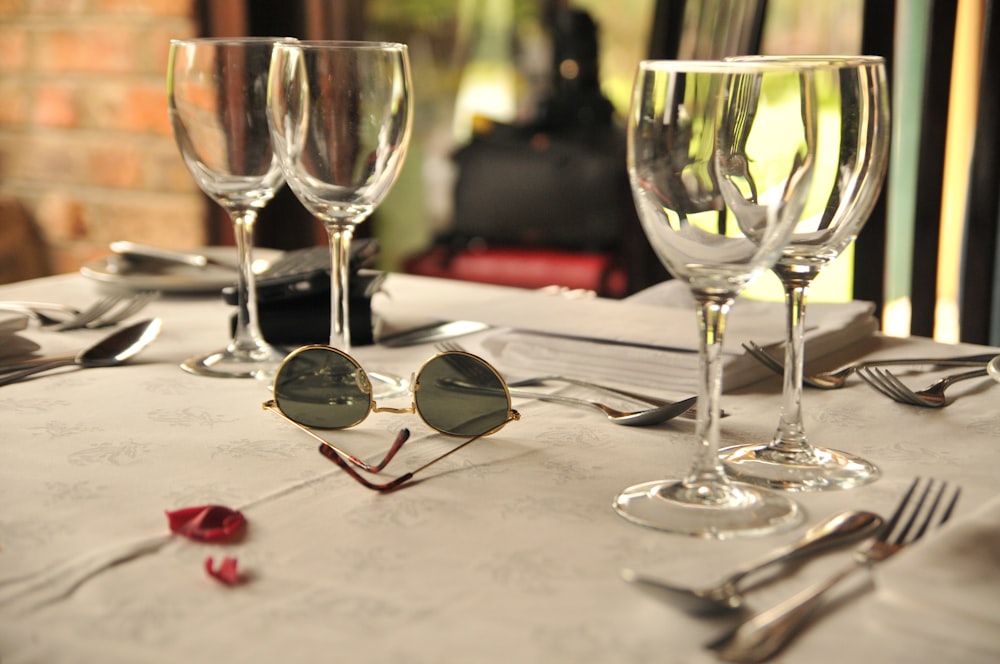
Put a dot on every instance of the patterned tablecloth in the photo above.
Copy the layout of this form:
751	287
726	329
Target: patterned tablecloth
508	551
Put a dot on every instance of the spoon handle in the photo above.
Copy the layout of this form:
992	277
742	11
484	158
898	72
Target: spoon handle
837	530
33	362
15	376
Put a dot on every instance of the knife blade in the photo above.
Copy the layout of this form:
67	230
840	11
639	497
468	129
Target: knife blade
433	332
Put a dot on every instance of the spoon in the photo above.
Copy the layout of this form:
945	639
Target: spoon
114	349
636	418
993	368
836	530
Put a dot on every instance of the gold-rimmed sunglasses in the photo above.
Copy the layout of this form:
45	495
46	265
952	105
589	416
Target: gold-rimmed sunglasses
454	392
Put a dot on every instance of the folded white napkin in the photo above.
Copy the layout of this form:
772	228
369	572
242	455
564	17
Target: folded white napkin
947	586
11	343
651	339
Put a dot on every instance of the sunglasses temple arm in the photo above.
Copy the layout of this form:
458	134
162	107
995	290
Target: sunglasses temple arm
332	455
400	439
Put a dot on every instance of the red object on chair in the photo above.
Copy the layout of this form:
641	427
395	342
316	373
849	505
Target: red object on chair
524	267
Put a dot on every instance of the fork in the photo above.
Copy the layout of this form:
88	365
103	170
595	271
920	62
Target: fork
763	635
832	380
538	380
101	313
931	396
132	306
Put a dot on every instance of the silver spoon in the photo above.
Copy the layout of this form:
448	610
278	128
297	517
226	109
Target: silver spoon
725	596
114	349
637	418
993	368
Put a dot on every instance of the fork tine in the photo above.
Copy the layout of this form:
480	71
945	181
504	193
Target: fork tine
867	375
888	385
900	388
132	306
89	314
890	525
931	517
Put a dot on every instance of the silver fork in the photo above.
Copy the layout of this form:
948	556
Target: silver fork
832	380
931	396
538	380
763	635
67	317
132	306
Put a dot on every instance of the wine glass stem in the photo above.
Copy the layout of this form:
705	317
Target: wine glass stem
340	251
247	335
791	433
707	468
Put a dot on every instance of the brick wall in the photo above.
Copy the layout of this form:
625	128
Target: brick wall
86	146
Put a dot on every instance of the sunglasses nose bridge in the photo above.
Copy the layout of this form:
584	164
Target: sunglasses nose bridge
397	411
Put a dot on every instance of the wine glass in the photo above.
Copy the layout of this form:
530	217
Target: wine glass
720	160
341	114
216	95
854	135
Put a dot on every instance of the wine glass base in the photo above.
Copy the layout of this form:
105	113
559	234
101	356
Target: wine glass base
814	469
708	510
230	363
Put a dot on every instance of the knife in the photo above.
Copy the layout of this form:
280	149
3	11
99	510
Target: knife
134	251
431	333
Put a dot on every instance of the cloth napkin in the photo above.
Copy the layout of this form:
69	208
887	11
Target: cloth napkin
947	586
651	339
12	344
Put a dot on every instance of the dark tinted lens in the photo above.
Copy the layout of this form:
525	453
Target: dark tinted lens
322	388
461	395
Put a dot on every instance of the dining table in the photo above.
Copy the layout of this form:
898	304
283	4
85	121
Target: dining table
507	551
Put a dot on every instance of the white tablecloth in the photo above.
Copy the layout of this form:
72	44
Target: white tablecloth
509	551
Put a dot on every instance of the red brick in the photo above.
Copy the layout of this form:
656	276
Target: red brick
115	164
128	105
166	221
56	7
180	8
98	50
56	105
13	48
9	9
61	217
14	110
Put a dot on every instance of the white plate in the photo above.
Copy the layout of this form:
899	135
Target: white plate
169	278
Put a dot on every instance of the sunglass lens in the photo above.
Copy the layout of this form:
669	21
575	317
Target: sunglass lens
322	388
460	394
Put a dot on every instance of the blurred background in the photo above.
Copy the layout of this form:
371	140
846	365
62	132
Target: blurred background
516	171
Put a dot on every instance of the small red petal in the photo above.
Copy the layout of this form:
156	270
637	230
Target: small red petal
226	572
208	523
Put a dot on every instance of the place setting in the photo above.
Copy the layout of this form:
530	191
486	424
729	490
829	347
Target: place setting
626	476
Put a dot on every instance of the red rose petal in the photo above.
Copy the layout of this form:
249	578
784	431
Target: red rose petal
208	523
226	572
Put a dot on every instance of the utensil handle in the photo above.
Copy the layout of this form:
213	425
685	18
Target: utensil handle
15	376
554	398
760	637
34	362
840	529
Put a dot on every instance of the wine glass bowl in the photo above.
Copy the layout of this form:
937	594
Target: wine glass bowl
719	159
216	97
853	126
340	115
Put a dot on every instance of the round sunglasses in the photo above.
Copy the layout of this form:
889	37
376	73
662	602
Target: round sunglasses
454	392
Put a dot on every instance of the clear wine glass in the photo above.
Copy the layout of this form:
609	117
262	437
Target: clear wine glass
720	159
216	95
341	114
853	104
